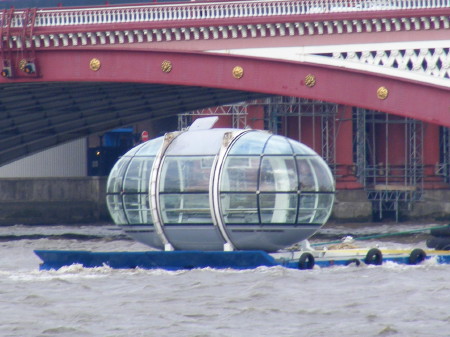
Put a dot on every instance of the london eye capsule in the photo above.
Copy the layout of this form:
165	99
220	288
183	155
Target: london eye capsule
214	189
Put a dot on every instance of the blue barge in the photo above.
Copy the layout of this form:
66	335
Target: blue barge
184	260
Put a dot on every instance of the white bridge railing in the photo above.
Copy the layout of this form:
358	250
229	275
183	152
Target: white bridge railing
210	10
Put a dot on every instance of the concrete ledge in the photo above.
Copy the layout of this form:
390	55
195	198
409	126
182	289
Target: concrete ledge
64	212
351	206
83	200
53	200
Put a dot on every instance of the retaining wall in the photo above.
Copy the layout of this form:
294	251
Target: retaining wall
53	200
82	200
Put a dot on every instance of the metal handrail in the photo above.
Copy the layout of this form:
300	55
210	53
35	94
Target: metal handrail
215	10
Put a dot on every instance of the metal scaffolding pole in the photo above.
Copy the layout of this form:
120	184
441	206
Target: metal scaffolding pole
443	168
279	108
400	186
329	135
361	139
237	111
415	163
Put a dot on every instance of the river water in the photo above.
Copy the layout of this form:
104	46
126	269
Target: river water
387	300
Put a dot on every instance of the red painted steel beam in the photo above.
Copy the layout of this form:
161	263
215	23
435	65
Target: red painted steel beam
405	98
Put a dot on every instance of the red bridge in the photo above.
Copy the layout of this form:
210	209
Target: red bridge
368	81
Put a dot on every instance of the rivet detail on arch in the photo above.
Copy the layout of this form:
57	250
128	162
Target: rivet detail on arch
166	66
95	64
310	80
382	93
238	72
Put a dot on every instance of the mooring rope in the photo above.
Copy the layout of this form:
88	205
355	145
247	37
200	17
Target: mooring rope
376	236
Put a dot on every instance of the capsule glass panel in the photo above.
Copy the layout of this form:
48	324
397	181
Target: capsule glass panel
128	185
250	143
115	179
240	174
307	176
115	208
137	209
184	189
323	208
278	208
301	149
323	177
114	188
277	145
240	208
278	174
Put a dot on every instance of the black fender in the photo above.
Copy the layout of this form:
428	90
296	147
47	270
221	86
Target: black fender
374	256
417	256
306	261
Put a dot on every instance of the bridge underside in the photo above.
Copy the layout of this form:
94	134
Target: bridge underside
67	98
36	116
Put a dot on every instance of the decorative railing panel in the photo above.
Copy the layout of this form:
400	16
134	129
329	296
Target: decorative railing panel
429	61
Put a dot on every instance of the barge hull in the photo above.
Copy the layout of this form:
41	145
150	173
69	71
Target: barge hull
173	260
181	260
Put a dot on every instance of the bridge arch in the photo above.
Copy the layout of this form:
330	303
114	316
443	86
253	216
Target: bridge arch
334	84
76	92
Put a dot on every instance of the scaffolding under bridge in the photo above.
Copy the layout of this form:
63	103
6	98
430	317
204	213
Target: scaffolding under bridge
393	181
390	187
238	113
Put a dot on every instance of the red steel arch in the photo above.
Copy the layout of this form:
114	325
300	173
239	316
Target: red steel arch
406	98
67	98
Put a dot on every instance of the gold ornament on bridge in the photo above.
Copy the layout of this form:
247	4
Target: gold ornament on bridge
95	64
310	80
382	93
22	64
238	72
166	66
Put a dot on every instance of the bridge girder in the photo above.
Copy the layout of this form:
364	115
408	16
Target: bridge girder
74	92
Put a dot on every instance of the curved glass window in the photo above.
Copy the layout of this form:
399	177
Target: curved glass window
128	185
184	189
135	187
115	208
278	145
300	148
137	209
138	175
239	182
307	208
151	147
306	174
278	173
114	191
315	207
240	174
269	179
323	175
249	143
240	208
114	184
323	209
278	207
